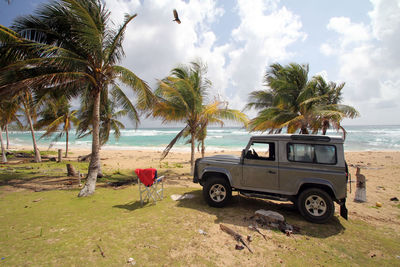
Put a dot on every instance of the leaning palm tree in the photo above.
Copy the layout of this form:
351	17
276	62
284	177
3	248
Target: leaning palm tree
182	97
78	55
57	114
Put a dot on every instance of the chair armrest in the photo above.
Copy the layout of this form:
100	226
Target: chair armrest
159	179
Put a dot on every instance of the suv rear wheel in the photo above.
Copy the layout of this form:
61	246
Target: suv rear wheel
217	192
316	205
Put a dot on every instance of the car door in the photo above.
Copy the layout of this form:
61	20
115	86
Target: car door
260	167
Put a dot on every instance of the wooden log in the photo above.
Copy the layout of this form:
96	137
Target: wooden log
361	190
59	155
235	235
71	171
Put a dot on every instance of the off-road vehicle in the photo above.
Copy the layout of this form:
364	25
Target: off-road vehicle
309	170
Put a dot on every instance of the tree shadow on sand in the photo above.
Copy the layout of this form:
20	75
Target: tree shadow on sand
241	208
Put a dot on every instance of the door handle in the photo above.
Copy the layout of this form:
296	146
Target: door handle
271	172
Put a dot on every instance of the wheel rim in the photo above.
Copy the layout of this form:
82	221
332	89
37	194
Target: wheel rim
315	205
217	192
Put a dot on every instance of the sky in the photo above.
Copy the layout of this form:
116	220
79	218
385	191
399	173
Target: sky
356	42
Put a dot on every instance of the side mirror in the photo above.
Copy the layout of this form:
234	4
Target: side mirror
242	156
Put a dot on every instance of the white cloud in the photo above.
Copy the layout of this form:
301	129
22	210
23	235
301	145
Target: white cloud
263	36
368	57
154	44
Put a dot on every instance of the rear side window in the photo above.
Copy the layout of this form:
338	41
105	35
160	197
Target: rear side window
322	154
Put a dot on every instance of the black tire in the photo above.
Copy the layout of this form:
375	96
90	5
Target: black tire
316	205
217	192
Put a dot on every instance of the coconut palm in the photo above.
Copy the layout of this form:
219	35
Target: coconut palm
114	105
28	107
327	101
57	114
78	55
9	114
3	150
295	102
182	97
216	113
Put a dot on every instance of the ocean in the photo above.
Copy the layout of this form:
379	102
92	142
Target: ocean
359	138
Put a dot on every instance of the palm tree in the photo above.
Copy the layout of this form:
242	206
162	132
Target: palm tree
293	101
181	99
3	151
114	105
29	109
9	114
78	55
216	113
57	112
327	100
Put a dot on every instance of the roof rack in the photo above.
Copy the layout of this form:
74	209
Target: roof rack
311	138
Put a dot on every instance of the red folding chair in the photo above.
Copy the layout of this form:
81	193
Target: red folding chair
149	185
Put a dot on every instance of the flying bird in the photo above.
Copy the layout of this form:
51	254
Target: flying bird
176	17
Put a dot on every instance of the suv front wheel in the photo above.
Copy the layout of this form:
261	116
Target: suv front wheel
316	205
217	192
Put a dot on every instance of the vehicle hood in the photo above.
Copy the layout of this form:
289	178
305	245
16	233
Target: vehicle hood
222	158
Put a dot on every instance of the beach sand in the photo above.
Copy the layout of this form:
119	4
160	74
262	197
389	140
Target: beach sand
381	169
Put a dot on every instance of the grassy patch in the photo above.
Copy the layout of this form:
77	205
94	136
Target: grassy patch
57	228
29	171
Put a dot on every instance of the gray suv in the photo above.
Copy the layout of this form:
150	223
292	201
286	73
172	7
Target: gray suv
309	170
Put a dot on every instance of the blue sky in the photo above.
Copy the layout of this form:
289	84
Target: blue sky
355	42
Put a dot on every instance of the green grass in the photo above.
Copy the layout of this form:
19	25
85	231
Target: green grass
29	171
55	228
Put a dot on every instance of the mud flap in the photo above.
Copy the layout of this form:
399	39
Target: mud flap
343	210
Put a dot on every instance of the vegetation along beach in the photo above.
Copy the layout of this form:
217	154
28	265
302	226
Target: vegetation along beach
93	93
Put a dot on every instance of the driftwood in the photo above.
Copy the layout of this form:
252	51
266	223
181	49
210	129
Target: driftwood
84	158
235	235
71	171
254	228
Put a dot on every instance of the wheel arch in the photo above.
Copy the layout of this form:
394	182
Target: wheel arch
216	172
317	183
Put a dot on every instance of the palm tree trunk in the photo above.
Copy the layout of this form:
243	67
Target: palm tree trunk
8	139
91	179
66	144
38	158
192	148
203	148
3	151
325	126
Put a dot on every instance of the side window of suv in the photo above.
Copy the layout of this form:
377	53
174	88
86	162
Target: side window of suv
322	154
261	151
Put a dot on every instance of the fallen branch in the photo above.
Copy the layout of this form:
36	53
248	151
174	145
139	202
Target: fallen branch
101	251
254	228
235	235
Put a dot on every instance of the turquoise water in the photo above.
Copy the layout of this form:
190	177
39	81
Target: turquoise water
359	138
